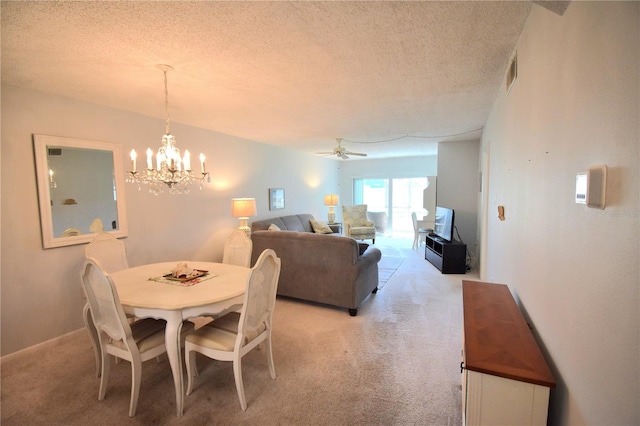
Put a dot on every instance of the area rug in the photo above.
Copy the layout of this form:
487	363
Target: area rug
387	266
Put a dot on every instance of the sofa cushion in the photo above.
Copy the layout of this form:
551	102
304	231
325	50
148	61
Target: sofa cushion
273	227
298	222
358	231
294	223
320	227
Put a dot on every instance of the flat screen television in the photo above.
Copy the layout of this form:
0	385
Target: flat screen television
443	227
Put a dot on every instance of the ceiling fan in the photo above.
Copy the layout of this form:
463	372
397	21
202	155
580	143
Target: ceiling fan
341	152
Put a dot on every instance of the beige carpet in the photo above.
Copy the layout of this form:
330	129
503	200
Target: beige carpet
387	266
395	363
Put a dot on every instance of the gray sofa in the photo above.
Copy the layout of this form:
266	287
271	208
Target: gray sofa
323	268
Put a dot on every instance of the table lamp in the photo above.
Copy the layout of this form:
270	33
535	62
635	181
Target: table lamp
331	200
243	209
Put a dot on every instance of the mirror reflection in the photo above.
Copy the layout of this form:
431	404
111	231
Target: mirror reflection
79	190
83	190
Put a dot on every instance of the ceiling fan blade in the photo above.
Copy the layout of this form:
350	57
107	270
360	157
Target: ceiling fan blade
341	152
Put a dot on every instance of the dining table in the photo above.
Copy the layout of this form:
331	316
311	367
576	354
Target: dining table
148	291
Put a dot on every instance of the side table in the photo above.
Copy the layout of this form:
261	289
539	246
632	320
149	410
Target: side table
336	227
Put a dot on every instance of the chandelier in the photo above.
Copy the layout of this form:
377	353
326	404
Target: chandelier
171	169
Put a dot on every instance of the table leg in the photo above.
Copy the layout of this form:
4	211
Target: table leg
174	352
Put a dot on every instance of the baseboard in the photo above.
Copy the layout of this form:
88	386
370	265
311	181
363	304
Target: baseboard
56	341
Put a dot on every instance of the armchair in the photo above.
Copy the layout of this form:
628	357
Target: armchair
356	224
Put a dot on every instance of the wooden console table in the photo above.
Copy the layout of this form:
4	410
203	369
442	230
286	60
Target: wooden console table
506	379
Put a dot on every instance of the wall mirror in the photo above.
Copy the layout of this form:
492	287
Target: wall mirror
80	190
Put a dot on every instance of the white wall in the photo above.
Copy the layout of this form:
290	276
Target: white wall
458	186
41	290
574	269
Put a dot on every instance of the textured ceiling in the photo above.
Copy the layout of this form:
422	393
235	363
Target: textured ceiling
294	74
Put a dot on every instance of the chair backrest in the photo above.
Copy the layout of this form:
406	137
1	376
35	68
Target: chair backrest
260	295
109	251
237	249
422	225
106	310
355	215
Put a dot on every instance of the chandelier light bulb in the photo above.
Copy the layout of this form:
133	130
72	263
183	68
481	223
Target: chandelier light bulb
133	156
186	160
52	183
149	159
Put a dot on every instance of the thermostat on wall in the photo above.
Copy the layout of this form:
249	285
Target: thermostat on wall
591	186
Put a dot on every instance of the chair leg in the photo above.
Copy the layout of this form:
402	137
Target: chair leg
93	334
272	367
192	369
104	376
237	372
136	378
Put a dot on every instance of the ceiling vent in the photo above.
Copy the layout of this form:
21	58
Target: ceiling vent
512	72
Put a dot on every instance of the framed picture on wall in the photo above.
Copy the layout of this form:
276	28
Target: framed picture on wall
276	198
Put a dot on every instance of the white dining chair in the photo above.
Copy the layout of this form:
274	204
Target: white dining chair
419	233
237	249
109	251
232	336
136	342
112	255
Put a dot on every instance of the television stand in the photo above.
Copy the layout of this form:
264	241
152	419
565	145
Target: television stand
448	257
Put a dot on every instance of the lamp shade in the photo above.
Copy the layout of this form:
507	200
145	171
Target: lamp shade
243	207
331	200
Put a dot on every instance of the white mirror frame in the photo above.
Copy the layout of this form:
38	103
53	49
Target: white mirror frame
41	142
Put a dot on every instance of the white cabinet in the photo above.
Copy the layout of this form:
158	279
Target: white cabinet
506	380
493	400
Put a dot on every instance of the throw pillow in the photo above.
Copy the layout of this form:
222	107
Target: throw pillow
320	227
273	227
362	247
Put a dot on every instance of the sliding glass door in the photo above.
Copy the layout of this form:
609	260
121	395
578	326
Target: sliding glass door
393	200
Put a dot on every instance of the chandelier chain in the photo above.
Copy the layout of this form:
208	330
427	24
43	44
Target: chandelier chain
166	102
